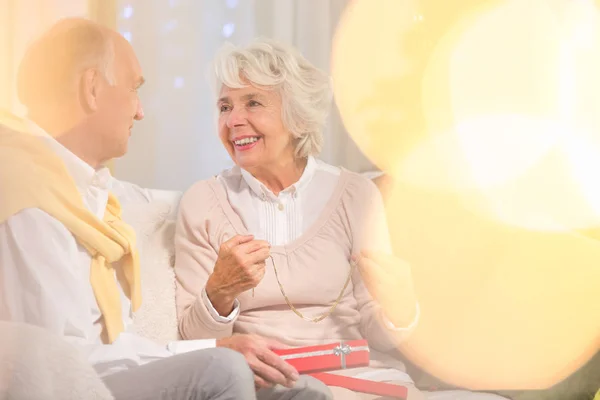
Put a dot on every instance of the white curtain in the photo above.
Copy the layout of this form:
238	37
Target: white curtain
21	21
177	143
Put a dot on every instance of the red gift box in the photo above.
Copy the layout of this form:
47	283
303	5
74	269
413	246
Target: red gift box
328	357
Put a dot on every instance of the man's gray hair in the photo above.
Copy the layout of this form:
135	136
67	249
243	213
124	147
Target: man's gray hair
54	61
306	91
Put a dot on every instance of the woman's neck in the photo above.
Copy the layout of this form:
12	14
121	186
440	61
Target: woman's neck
280	176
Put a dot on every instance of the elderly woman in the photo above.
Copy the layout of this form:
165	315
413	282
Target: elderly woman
269	247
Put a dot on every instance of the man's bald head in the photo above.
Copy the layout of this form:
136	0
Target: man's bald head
51	66
80	83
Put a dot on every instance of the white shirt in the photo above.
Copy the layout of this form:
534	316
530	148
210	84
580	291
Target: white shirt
44	278
281	219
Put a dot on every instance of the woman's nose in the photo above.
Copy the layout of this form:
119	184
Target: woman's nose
237	117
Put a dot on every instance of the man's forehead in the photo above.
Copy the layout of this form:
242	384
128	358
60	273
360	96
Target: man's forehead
122	47
125	55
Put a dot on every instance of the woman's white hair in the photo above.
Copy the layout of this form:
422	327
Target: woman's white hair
305	91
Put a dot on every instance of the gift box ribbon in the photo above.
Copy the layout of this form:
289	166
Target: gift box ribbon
341	350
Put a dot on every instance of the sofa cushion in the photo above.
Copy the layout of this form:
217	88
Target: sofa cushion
153	218
157	317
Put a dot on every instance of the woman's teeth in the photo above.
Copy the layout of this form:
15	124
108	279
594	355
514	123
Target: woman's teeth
245	141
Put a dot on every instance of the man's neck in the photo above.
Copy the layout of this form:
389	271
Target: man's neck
84	149
72	137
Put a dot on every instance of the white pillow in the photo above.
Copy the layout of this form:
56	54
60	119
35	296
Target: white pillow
155	230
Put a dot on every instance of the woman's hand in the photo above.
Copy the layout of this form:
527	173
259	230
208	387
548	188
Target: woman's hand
269	369
389	281
240	266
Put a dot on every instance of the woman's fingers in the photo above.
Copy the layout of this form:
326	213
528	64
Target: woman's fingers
235	241
275	361
267	372
252	246
242	262
259	256
260	383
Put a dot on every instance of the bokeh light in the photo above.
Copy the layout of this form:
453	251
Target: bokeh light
486	115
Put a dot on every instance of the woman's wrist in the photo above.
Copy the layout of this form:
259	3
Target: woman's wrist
222	302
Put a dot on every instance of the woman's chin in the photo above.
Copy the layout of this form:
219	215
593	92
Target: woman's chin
246	162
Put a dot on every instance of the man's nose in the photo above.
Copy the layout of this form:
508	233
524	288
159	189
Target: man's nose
139	112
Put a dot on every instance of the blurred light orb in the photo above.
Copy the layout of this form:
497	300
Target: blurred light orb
488	115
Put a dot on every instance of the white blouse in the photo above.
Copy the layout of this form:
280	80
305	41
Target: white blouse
281	219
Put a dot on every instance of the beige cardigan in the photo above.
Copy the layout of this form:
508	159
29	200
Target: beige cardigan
312	269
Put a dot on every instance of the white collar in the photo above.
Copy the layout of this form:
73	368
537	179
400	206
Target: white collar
262	191
82	173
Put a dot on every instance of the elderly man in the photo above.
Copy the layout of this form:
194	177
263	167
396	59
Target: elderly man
68	263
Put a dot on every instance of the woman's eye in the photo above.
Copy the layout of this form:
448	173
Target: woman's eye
253	103
224	108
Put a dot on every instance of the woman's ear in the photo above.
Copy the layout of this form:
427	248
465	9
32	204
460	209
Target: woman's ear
88	90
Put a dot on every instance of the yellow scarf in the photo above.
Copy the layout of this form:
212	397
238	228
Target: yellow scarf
33	176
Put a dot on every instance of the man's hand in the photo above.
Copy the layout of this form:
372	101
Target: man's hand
269	369
389	281
240	266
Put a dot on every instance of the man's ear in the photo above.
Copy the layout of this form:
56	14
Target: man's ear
89	87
